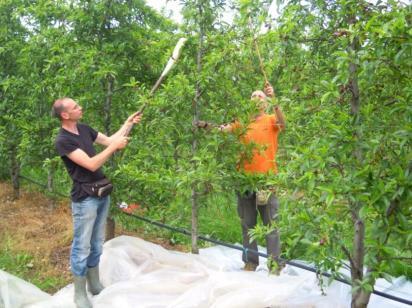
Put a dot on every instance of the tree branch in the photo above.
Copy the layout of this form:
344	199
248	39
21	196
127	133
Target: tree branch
347	253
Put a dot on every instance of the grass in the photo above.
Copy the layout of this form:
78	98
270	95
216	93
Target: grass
217	219
18	264
34	238
27	267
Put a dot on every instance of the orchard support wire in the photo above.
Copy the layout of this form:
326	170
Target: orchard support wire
291	263
217	242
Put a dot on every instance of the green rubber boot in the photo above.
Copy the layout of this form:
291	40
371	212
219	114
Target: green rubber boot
93	281
80	295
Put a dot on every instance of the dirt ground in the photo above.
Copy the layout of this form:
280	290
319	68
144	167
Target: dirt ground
37	227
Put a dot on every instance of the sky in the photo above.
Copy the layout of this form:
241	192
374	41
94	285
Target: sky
170	6
173	7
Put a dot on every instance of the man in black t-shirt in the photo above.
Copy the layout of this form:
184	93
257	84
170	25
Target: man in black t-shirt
74	144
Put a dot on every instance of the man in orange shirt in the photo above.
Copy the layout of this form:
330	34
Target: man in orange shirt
262	131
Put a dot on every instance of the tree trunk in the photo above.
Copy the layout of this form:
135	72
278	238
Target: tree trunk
110	228
194	195
360	297
50	175
50	185
110	223
194	230
353	80
108	104
15	174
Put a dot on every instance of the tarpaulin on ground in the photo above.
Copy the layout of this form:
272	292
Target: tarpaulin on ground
138	273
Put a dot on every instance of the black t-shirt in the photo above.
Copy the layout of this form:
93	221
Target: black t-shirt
66	142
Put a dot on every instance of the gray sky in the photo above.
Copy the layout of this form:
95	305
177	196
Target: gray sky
173	7
170	6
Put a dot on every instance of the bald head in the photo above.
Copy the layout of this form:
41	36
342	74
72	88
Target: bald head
59	106
258	95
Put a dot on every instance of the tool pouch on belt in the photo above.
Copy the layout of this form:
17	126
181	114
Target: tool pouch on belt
262	196
100	188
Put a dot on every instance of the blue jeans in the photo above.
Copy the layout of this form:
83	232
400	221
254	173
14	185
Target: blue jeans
89	223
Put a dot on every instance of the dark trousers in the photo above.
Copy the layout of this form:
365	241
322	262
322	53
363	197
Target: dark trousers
248	212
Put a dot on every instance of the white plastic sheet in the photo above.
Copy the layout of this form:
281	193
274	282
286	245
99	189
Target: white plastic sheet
137	273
